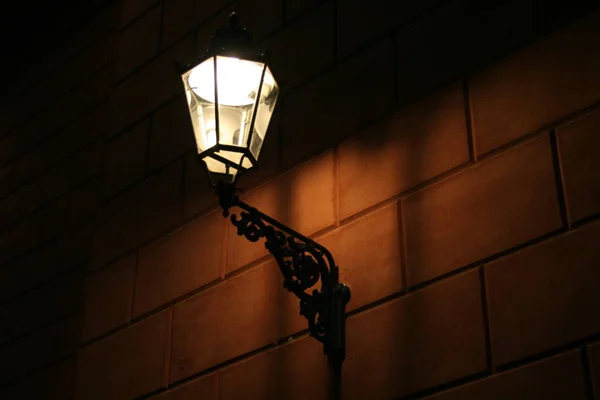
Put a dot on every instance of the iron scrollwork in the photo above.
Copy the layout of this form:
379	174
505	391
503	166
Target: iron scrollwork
303	264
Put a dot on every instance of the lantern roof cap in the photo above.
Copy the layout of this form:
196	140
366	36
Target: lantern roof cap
233	39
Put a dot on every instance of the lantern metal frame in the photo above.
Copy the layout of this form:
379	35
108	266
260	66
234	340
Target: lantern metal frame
303	262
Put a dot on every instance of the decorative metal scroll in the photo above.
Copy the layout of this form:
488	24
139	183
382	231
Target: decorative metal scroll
303	264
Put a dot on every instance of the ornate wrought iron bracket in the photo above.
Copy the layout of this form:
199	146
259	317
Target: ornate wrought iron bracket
303	264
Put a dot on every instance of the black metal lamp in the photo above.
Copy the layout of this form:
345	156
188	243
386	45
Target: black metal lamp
231	94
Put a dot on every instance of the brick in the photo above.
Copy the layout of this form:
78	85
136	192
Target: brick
83	202
148	88
38	160
87	62
557	378
187	259
138	43
47	223
304	49
252	16
294	8
17	240
580	165
46	346
114	368
83	66
198	192
64	77
45	304
6	173
48	74
367	252
15	112
461	35
55	382
126	159
63	110
281	373
356	18
242	315
490	207
6	184
594	354
132	9
68	107
372	240
51	185
291	321
9	145
511	98
56	147
89	94
109	296
181	16
204	388
32	231
555	14
321	113
551	301
76	245
172	134
58	256
30	197
157	208
99	27
419	341
85	164
255	378
411	147
41	124
302	199
62	82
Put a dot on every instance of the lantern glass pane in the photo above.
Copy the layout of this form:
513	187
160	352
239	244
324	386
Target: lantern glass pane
264	112
202	114
218	166
237	84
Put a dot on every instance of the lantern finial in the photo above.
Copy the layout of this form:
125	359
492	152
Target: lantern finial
234	20
232	40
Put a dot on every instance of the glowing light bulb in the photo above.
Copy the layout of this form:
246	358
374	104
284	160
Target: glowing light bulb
211	138
237	81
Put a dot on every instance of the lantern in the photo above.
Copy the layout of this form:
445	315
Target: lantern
231	95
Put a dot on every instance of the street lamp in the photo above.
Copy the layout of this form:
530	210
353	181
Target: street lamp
231	94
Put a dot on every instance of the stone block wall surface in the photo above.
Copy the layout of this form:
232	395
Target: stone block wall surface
446	152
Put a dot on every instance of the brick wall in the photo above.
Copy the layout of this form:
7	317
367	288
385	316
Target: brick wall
445	152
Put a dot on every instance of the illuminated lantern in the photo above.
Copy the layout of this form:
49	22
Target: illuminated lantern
231	95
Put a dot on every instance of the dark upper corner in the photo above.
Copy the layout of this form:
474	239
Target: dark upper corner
32	30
